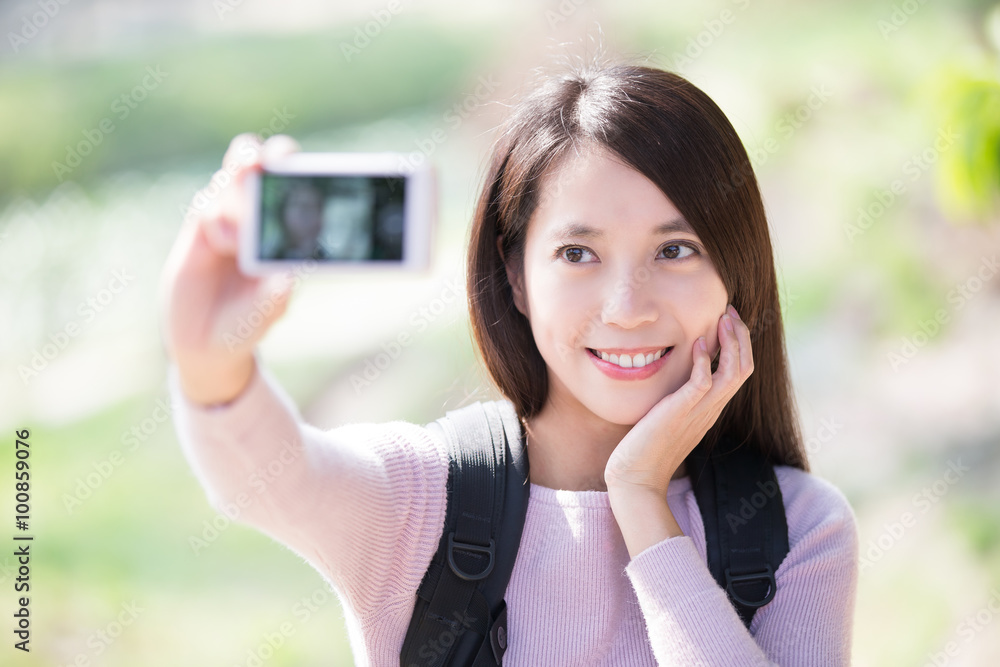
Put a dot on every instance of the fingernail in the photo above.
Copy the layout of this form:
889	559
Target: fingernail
732	311
702	344
728	320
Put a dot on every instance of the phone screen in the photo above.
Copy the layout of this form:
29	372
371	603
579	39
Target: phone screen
340	218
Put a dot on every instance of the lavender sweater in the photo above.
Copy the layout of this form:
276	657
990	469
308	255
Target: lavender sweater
365	505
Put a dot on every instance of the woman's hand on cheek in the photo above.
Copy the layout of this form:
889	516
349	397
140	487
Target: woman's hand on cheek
657	445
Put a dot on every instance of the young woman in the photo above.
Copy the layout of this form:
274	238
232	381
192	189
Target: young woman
623	297
300	222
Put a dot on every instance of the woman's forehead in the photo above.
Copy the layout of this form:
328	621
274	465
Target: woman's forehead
303	192
593	193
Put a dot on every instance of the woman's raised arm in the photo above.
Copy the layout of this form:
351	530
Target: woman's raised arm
363	503
204	295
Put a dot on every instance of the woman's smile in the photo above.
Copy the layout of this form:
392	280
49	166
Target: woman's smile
629	363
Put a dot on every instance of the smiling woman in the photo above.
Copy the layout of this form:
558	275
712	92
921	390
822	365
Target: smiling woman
667	242
623	284
612	264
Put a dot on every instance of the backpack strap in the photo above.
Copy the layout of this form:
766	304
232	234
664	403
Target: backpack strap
460	616
746	533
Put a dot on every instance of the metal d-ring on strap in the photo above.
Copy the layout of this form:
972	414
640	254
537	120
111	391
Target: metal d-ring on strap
459	572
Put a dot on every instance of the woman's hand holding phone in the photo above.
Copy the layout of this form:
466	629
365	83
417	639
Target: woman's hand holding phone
207	301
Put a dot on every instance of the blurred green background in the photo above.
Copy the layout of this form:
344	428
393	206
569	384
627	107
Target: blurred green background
875	132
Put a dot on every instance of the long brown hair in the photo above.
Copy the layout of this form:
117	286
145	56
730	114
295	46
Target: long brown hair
670	131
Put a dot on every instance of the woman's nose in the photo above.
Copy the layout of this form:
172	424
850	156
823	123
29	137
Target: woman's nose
630	301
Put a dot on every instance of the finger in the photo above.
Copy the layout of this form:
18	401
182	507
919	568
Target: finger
279	146
746	348
244	151
700	383
728	370
220	234
207	205
270	301
279	290
245	155
235	201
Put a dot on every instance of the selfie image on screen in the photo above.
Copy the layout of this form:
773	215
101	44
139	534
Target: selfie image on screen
331	218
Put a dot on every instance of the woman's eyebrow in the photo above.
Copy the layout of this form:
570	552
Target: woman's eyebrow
576	230
675	225
580	230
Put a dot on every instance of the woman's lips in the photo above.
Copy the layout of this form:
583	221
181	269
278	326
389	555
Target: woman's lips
616	372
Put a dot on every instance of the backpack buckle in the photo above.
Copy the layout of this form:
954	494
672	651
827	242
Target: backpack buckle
766	575
474	548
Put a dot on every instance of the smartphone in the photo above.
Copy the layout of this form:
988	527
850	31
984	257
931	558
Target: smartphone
339	211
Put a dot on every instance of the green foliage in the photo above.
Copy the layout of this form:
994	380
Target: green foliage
211	90
969	175
979	524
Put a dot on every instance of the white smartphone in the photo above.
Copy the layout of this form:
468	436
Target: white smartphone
339	211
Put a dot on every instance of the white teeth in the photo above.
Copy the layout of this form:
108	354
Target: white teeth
629	361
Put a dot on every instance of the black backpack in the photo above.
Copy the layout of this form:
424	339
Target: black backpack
460	617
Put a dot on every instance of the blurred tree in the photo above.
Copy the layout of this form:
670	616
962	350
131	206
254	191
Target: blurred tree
969	175
969	99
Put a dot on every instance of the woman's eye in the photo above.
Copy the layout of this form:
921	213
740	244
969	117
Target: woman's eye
676	251
577	255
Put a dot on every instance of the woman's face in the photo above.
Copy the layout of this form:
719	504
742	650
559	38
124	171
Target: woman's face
303	213
611	270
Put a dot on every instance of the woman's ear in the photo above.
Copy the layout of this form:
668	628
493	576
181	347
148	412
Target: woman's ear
515	276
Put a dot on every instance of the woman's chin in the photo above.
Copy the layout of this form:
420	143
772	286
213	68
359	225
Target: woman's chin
621	412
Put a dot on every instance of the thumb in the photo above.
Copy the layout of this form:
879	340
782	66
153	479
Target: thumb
277	289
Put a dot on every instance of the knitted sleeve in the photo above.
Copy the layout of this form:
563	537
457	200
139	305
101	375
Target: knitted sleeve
690	621
363	503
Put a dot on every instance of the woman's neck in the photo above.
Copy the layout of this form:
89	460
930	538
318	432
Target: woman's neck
568	447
